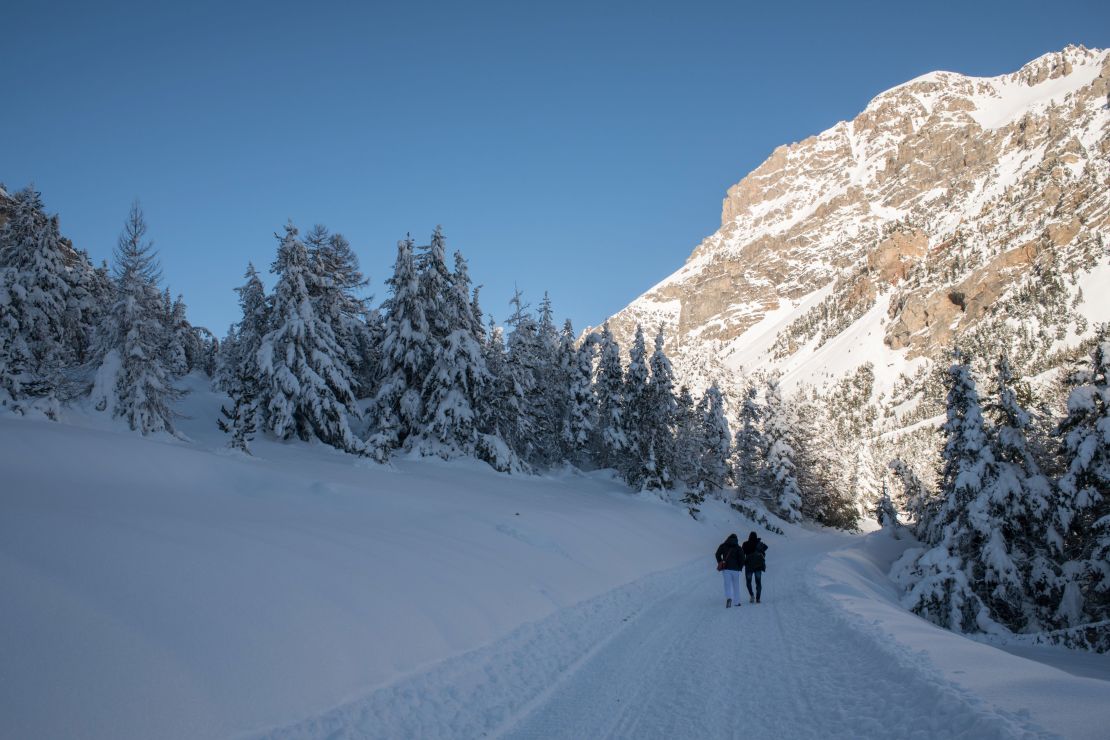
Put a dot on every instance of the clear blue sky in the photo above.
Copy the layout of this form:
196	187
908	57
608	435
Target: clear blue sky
580	148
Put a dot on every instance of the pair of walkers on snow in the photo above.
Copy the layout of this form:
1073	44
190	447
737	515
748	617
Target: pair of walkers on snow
751	556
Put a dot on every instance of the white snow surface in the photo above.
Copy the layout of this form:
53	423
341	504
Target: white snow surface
157	588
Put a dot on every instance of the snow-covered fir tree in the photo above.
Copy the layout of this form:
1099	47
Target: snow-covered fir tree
336	297
715	440
610	445
687	438
1027	535
499	407
240	374
827	489
176	332
549	402
581	417
565	377
305	388
133	381
639	464
658	422
523	358
239	421
749	470
865	478
916	500
45	300
398	408
782	476
1085	489
886	515
946	581
456	381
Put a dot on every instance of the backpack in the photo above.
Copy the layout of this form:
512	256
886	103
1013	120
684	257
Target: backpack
756	559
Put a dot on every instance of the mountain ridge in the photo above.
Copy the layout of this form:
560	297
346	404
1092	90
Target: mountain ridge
936	201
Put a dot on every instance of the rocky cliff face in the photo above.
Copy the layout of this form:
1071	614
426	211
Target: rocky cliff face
929	213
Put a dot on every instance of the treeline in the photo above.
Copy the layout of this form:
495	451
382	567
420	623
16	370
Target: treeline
1016	536
69	330
425	372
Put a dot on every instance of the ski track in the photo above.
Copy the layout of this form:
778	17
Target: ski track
662	658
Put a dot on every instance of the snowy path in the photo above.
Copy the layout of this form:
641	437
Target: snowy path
663	658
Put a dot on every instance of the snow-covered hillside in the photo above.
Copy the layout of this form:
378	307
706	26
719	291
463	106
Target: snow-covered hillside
163	588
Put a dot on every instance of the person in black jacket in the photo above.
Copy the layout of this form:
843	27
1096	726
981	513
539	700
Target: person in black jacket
730	559
755	562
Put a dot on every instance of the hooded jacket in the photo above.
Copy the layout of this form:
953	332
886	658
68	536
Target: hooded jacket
754	554
731	554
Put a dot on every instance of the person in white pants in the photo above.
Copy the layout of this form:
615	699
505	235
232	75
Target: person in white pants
730	561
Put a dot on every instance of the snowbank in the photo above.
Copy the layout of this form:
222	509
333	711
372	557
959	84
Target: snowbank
1062	691
155	589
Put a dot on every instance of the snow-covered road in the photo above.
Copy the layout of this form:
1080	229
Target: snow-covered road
663	658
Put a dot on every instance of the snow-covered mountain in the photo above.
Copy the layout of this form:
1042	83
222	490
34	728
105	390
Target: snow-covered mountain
950	203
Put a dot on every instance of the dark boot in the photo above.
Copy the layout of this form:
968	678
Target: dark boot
728	603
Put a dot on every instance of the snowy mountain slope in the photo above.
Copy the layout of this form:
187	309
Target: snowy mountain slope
160	588
923	217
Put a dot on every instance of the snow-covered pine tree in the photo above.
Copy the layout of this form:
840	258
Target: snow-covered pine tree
39	337
865	483
749	471
916	499
464	299
610	445
639	470
826	488
688	442
398	408
240	376
335	292
191	338
659	418
173	337
565	371
885	513
434	279
499	407
582	419
716	442
239	422
133	381
305	384
944	582
524	361
1027	537
458	376
476	313
92	297
782	475
549	404
1085	488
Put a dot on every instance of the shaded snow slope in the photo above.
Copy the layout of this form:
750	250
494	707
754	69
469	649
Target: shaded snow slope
155	589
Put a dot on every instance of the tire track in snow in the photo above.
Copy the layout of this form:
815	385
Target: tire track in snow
473	694
662	658
788	667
